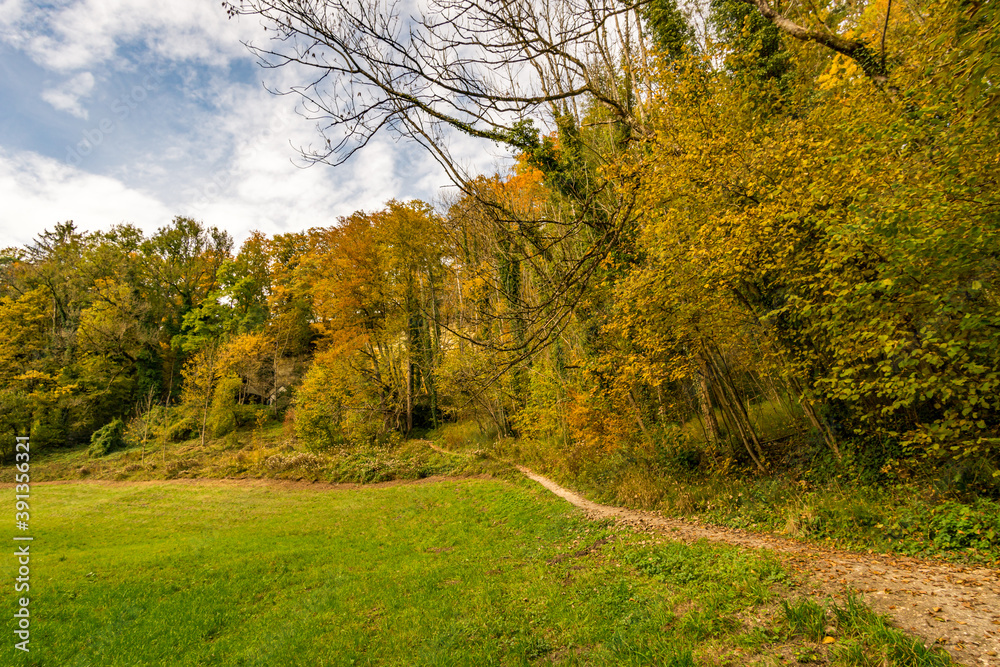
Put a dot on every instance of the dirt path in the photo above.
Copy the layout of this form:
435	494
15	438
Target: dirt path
954	606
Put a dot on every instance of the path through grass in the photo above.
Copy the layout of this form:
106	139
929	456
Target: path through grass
469	572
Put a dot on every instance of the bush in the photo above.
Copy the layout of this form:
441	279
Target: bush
467	435
180	429
15	412
333	409
955	526
318	414
223	418
107	439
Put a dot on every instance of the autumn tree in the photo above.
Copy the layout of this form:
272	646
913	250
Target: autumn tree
244	283
201	374
376	289
794	245
180	265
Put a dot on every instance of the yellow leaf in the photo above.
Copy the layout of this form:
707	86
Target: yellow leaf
828	640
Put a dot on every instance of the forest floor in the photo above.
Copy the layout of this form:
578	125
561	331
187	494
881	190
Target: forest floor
953	606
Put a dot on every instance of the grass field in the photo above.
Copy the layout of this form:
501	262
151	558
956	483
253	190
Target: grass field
464	572
908	519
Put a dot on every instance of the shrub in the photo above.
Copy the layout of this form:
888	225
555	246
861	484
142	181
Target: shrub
333	408
15	412
954	525
107	439
466	435
180	428
317	413
222	418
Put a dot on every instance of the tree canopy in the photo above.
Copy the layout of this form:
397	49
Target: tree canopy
784	213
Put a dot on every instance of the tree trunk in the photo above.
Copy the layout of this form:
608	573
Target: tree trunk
732	407
638	416
817	422
429	372
709	422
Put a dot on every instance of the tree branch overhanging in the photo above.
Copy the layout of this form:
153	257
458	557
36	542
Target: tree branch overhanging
857	50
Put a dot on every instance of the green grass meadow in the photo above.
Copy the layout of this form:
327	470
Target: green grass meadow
465	572
462	572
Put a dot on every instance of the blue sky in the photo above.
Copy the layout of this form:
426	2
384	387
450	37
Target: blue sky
140	110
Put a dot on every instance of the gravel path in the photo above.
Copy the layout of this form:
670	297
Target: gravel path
955	606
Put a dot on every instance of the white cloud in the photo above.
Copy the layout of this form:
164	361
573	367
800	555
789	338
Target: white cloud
85	33
37	192
253	185
67	98
11	12
259	185
266	132
223	154
234	168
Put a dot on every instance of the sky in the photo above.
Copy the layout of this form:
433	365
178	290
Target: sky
137	111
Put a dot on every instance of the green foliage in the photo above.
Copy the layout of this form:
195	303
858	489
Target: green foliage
179	427
223	417
669	28
806	618
244	283
466	436
100	388
873	635
318	411
756	52
107	439
956	526
49	423
15	413
23	332
334	407
523	135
